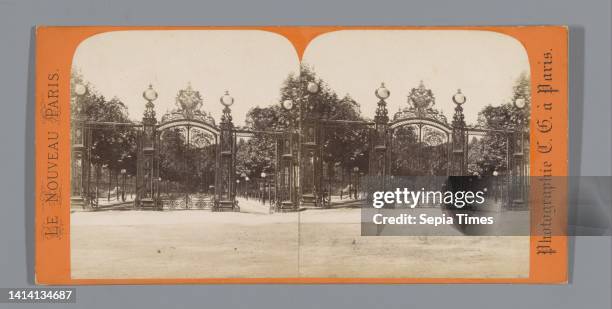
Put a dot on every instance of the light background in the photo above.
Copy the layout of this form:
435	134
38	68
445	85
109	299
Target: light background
485	65
590	151
252	65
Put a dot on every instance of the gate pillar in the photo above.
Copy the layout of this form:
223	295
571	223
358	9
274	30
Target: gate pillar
225	185
79	155
311	192
310	165
379	137
458	160
518	158
379	142
518	171
146	172
286	174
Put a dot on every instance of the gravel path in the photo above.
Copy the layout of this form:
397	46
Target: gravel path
253	243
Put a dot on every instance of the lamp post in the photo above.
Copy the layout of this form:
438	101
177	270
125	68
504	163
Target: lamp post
159	180
117	185
237	186
356	178
496	187
123	172
243	176
263	193
130	190
246	185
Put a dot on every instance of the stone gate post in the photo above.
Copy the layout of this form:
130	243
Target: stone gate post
225	185
79	159
379	163
146	180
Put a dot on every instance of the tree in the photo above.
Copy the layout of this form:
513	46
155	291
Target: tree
344	145
497	146
475	154
411	157
189	163
112	146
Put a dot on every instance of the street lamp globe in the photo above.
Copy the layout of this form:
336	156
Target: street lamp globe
519	103
150	94
80	89
459	98
227	100
287	104
382	92
263	175
312	87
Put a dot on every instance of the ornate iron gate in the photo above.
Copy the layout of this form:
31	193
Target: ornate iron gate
218	195
417	141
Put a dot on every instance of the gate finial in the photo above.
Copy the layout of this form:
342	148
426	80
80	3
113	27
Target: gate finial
382	115
150	95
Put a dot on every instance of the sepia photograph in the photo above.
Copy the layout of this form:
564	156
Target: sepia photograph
338	154
226	154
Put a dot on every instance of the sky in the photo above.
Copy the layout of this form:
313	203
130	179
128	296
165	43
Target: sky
252	65
483	64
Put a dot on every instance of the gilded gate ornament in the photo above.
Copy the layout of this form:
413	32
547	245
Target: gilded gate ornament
188	104
421	102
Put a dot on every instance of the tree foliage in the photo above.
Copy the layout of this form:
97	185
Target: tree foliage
190	162
491	152
113	146
411	157
343	145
